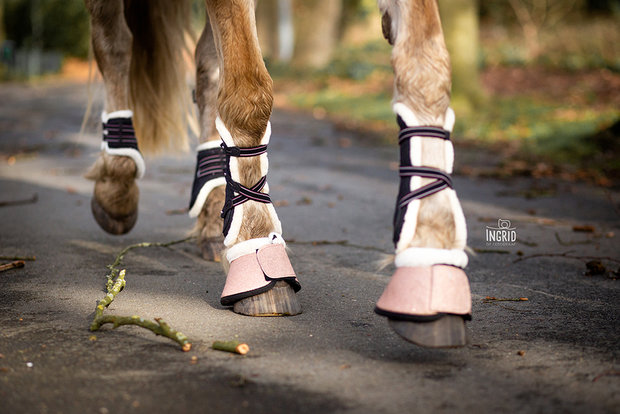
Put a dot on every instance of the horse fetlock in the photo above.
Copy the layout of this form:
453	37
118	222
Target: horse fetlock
112	167
257	222
435	224
208	227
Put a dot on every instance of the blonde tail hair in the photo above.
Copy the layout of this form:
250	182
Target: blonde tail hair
159	93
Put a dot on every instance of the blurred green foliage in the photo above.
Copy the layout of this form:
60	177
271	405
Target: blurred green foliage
355	89
59	25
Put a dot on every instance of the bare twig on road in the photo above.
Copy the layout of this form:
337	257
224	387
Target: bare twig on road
605	374
478	250
566	255
491	299
115	284
338	243
12	265
29	258
30	200
235	347
119	258
570	243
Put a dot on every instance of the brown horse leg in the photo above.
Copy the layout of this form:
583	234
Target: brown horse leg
208	207
430	245
244	105
115	199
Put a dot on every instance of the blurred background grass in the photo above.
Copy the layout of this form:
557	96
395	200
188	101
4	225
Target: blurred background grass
546	76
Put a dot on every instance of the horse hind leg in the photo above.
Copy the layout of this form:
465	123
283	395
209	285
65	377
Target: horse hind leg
115	199
208	193
260	280
427	299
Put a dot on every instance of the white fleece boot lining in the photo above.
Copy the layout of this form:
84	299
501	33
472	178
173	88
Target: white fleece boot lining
252	245
425	256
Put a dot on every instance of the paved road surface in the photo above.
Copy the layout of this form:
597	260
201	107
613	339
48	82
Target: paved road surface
556	352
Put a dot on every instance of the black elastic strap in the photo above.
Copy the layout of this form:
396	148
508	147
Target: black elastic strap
119	133
244	152
442	181
423	132
407	171
236	193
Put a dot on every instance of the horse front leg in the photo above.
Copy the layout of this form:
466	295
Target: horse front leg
428	297
208	195
115	199
260	279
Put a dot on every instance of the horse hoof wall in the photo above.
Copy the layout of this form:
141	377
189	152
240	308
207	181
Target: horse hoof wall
114	225
279	301
446	332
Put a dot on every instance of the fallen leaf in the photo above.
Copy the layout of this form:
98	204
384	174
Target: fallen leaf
595	267
345	142
304	201
584	228
177	211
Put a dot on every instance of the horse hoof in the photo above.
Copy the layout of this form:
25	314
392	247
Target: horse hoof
113	224
211	248
445	332
279	301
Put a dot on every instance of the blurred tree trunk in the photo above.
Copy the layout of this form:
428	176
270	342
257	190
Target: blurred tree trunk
461	30
534	15
316	25
266	26
286	34
2	29
274	23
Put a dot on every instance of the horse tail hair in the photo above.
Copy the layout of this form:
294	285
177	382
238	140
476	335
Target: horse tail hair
161	60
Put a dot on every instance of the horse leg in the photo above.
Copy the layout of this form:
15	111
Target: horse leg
260	279
208	189
428	297
115	199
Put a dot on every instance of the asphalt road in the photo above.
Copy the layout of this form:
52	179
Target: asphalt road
556	352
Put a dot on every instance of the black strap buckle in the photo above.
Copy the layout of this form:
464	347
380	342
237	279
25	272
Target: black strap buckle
244	152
